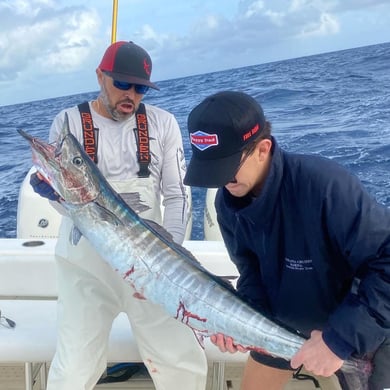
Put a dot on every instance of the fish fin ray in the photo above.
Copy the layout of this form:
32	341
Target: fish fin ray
133	199
75	235
162	233
107	215
160	230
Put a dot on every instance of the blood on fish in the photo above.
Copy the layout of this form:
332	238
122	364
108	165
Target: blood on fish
186	315
129	272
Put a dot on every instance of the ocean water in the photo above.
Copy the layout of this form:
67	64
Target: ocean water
334	104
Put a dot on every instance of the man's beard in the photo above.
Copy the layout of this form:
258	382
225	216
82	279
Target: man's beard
115	114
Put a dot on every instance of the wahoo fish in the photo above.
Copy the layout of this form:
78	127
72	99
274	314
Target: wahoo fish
156	268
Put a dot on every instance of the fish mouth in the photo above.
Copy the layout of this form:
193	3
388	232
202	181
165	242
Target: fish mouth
44	155
49	151
51	161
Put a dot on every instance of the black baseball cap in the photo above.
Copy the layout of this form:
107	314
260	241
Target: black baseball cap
219	129
126	61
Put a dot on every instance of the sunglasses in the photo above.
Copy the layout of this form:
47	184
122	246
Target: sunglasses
247	152
125	86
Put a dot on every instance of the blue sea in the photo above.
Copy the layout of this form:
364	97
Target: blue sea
334	104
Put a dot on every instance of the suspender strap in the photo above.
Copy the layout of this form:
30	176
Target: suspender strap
143	153
142	136
89	138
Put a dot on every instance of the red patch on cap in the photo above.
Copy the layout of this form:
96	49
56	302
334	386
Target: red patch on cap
202	140
146	67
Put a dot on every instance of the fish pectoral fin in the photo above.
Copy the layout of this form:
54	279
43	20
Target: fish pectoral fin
75	235
106	215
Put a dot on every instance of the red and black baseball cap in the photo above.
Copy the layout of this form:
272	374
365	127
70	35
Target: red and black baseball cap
126	61
219	129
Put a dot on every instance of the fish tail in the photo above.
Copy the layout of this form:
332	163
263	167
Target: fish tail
354	374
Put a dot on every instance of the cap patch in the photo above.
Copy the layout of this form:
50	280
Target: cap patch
202	140
251	132
147	67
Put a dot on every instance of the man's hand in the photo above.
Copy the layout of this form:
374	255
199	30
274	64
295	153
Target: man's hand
41	187
316	357
226	343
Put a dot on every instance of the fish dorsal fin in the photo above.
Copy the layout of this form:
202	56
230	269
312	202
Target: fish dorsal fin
160	230
133	199
163	234
107	215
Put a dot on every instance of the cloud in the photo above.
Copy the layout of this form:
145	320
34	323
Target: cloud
262	31
28	48
326	24
55	43
254	8
355	5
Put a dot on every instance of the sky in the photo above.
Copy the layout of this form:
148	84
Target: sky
51	48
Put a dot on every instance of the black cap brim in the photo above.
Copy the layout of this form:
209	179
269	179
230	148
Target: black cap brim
131	79
212	173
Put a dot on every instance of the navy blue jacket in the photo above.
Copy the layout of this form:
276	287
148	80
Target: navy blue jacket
303	243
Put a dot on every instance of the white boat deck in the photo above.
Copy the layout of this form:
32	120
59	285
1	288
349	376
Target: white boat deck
12	378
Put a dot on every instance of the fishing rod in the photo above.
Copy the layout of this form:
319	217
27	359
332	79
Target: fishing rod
114	20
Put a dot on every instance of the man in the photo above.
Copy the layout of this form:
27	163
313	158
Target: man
311	246
138	148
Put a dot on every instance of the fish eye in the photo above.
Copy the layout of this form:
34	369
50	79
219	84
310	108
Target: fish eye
77	161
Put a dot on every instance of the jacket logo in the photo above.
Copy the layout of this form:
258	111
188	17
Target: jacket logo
299	264
202	140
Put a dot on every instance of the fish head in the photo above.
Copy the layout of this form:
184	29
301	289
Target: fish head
65	166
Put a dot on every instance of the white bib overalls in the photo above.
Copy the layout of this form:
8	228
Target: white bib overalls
92	294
